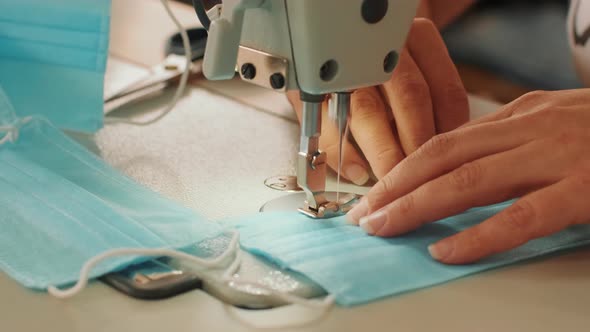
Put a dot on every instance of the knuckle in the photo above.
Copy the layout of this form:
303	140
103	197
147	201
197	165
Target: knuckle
456	98
467	176
411	86
522	103
387	184
419	138
438	145
389	154
364	102
406	204
535	95
520	216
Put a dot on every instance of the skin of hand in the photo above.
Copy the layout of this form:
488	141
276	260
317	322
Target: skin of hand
424	97
536	148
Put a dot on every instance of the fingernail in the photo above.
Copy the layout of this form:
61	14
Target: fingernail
356	213
357	174
374	222
440	250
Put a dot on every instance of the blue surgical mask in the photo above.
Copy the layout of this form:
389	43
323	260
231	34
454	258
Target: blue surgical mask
53	58
61	206
357	268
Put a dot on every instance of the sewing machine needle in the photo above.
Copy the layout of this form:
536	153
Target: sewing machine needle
339	111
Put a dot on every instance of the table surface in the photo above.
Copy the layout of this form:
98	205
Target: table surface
212	154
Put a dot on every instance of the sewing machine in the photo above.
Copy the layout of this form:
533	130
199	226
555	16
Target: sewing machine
321	48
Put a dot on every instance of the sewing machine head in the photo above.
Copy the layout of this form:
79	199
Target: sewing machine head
318	47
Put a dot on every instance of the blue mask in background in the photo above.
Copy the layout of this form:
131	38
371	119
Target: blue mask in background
55	51
357	268
62	205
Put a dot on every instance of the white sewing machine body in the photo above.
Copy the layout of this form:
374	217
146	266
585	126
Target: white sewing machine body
325	46
318	47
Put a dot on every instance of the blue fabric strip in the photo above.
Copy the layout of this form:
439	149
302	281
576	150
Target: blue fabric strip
78	15
62	206
358	268
54	36
38	52
71	98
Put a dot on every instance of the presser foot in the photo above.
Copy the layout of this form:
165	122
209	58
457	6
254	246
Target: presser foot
336	205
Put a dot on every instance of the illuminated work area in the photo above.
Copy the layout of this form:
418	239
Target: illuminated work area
301	165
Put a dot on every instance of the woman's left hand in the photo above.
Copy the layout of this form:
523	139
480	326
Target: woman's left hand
536	148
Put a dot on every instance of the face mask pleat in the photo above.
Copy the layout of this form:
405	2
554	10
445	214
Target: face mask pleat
357	268
79	15
314	238
61	206
52	54
55	190
59	50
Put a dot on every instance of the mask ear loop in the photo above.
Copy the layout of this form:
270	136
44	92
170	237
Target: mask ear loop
12	130
321	307
91	263
183	78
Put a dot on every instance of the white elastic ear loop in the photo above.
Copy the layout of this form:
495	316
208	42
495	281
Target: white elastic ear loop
320	307
12	130
183	78
91	263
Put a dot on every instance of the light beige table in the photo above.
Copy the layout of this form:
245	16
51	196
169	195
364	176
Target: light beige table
213	154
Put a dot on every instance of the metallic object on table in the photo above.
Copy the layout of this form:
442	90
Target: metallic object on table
288	202
286	183
324	47
168	71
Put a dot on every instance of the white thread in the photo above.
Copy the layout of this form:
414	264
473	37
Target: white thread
183	78
12	130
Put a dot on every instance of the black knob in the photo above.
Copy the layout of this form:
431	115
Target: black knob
248	71
277	81
374	11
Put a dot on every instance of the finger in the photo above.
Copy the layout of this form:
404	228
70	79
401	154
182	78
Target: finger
447	152
538	214
354	167
533	102
369	124
525	104
500	114
489	180
449	98
409	97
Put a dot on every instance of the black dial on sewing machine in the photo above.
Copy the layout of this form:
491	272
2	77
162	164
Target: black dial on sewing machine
374	11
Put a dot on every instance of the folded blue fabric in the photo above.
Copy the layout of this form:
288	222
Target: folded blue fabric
61	206
80	15
53	57
71	98
357	268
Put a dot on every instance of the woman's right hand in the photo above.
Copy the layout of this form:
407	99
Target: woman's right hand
423	98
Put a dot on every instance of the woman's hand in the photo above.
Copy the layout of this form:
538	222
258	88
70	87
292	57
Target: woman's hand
424	97
536	148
